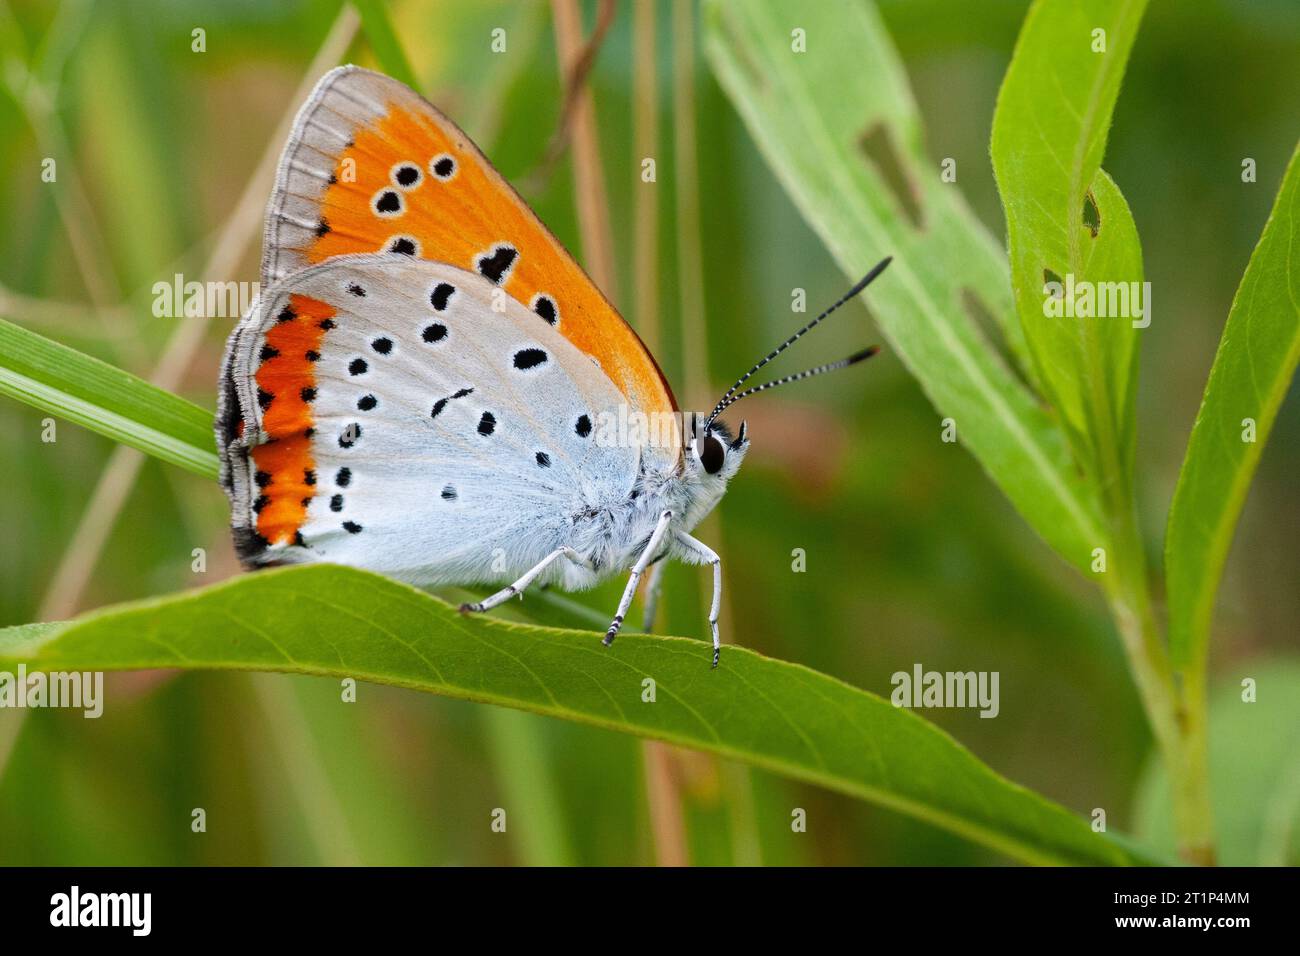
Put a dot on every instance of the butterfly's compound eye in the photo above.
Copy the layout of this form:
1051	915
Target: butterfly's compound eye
712	455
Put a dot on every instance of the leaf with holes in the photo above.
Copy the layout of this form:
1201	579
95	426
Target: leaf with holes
82	389
841	131
1253	368
347	623
1076	263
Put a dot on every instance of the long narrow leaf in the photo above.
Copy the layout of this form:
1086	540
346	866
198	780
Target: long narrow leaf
1068	224
839	128
105	399
342	622
1253	368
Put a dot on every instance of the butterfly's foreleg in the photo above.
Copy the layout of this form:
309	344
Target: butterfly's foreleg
708	556
528	577
637	570
653	585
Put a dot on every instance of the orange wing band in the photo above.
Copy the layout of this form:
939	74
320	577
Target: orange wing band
286	383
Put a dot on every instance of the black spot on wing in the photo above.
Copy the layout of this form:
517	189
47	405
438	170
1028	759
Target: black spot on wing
487	424
444	167
383	345
583	426
440	295
434	333
529	358
495	265
357	366
388	203
543	460
367	402
343	477
404	245
448	493
544	306
351	527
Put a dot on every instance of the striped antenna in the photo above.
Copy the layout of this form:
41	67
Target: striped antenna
731	396
853	359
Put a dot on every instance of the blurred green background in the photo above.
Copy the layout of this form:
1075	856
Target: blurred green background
912	555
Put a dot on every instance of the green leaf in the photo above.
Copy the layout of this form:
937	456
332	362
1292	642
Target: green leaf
1254	771
82	389
1253	368
841	131
384	43
341	622
1068	224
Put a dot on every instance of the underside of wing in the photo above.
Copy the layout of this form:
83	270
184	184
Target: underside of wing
371	166
378	411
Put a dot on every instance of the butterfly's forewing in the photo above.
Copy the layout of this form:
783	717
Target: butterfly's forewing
392	418
371	166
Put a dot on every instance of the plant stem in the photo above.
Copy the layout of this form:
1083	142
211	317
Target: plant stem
1176	708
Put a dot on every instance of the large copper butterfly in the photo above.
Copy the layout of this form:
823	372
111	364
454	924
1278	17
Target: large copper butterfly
430	387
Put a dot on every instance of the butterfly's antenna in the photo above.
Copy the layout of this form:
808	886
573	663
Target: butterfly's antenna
730	398
853	359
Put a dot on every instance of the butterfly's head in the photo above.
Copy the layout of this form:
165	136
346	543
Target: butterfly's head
715	454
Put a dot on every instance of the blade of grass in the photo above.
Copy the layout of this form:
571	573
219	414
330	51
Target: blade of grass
105	399
384	43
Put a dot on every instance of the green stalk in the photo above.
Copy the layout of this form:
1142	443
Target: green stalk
1177	713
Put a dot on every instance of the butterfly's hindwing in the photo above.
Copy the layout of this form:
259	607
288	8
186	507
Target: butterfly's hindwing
394	419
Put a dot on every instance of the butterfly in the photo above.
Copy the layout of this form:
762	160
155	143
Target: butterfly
430	387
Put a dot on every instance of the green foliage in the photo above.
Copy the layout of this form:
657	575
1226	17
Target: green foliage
1253	368
82	389
348	623
1068	222
1256	790
855	165
1046	409
383	41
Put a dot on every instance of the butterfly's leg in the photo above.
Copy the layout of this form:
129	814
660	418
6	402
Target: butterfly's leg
708	556
506	594
652	587
637	570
